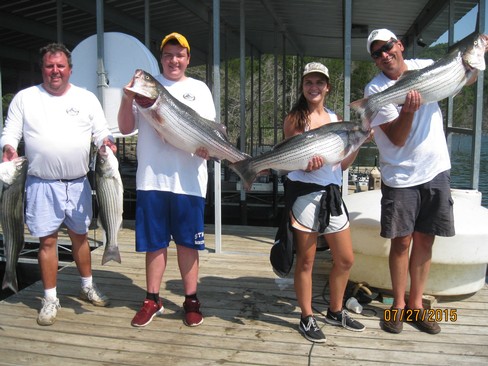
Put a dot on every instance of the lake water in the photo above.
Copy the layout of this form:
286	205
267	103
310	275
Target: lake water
461	157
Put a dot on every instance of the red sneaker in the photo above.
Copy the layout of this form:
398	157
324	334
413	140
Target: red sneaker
148	311
193	316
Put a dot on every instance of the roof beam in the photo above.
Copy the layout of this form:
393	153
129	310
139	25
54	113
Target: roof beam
196	7
113	15
428	14
34	28
281	26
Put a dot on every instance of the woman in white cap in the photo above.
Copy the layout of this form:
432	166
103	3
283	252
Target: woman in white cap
305	188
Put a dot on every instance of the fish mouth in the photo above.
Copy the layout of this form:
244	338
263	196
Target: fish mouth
142	98
144	101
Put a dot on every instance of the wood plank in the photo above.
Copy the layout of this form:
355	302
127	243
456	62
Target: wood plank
251	317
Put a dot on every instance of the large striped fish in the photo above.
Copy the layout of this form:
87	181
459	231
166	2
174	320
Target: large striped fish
333	142
178	124
110	198
444	78
12	175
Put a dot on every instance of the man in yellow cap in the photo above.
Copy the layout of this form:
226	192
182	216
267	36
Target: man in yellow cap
171	186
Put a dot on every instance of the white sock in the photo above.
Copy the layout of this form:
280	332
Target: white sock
50	294
87	281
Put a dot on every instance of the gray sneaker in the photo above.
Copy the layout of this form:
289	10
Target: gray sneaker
310	330
94	295
47	315
342	318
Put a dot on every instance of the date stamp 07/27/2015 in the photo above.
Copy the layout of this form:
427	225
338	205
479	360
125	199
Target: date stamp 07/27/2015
414	315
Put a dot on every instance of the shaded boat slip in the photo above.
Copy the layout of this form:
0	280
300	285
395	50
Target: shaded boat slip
251	317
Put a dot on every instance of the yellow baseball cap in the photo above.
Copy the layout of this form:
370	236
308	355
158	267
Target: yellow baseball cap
180	38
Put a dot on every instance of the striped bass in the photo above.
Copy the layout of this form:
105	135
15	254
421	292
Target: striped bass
110	198
12	175
333	142
444	78
178	124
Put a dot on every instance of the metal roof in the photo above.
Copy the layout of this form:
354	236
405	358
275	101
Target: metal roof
305	28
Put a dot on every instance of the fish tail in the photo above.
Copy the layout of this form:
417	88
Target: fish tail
10	281
111	253
245	171
367	114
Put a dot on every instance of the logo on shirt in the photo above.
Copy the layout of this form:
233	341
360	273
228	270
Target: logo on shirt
72	111
189	97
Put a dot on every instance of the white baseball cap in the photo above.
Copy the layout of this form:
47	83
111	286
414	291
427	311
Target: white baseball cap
315	67
379	35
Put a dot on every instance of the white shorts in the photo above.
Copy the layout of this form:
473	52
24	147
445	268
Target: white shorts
306	212
50	203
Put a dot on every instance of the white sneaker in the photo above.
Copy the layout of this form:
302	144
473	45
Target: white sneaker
93	294
47	315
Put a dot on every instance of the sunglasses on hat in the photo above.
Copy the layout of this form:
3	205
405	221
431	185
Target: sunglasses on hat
385	48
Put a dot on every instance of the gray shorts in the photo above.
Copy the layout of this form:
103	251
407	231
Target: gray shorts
306	212
426	208
50	203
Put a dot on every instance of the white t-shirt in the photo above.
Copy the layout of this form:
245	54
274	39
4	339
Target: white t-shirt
328	174
425	152
163	167
57	130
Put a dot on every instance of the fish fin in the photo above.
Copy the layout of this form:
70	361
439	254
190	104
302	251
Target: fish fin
244	170
281	143
359	105
280	172
99	224
111	253
407	73
161	136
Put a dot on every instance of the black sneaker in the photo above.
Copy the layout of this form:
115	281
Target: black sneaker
310	330
342	318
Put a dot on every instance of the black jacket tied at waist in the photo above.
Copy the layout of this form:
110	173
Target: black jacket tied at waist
283	250
330	202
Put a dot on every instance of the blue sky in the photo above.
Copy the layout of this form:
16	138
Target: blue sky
464	26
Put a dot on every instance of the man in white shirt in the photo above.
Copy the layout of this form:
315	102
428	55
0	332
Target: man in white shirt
57	121
416	202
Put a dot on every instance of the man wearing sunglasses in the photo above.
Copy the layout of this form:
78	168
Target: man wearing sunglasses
416	202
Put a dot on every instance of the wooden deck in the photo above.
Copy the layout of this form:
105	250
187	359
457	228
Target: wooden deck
251	318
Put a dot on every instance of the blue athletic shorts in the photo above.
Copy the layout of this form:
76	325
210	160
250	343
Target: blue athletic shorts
50	203
426	208
163	216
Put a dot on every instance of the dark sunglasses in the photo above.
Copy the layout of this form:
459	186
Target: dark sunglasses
385	48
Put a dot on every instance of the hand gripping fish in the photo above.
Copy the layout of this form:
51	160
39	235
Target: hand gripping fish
333	142
12	175
110	197
178	124
444	78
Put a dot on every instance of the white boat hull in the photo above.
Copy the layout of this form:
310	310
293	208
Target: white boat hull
458	263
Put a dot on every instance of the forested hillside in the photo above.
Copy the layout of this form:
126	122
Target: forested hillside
267	105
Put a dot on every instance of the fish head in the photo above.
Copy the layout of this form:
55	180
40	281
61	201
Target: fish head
11	170
107	164
474	53
145	86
